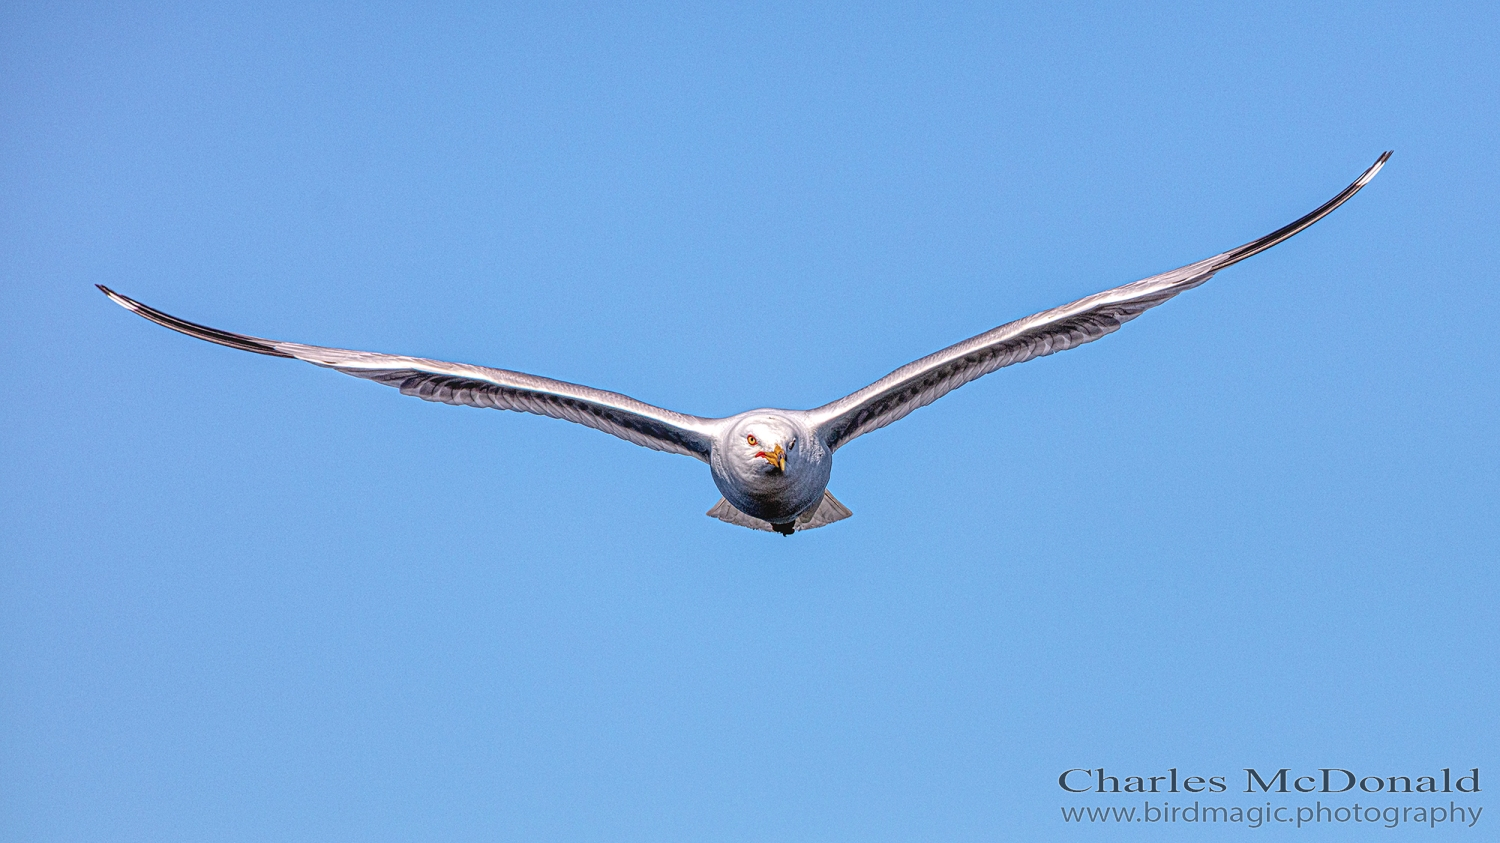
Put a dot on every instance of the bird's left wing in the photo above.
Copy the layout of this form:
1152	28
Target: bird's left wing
476	386
922	382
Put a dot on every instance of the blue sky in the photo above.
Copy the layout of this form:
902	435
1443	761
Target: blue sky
247	599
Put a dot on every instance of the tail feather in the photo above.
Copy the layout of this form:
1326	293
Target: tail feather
826	512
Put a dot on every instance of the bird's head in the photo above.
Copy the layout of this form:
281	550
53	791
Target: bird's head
764	444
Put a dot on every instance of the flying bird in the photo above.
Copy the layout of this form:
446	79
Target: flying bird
771	465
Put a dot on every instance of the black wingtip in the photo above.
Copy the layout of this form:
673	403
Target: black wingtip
1255	247
193	329
123	301
1374	168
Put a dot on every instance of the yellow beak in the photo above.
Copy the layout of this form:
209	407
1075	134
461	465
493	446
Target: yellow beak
775	456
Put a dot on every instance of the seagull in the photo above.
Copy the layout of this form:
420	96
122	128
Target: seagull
771	465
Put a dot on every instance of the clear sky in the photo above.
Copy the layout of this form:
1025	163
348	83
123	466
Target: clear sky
244	598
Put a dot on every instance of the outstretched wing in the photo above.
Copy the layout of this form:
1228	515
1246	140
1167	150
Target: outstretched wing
476	386
925	381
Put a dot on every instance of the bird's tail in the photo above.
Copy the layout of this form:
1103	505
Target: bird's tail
826	512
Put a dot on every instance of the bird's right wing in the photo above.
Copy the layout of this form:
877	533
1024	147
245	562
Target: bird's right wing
476	386
924	381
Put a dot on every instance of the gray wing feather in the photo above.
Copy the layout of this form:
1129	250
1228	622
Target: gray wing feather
924	381
476	386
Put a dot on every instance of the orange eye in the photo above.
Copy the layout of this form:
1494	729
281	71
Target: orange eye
751	440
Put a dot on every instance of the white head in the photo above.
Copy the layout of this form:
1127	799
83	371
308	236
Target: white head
762	445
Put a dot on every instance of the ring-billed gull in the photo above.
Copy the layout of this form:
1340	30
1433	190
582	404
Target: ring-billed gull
771	465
